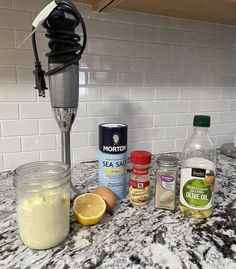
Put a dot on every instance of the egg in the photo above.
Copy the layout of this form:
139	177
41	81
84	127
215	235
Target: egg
107	195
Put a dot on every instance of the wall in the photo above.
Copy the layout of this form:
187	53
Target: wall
152	72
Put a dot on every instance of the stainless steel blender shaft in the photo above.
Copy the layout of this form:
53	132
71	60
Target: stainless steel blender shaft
64	95
65	143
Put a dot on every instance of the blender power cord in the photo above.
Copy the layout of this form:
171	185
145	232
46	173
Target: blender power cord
59	37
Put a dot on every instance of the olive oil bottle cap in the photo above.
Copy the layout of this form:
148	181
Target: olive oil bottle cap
201	121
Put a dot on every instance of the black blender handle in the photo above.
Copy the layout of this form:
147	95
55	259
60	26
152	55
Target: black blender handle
80	19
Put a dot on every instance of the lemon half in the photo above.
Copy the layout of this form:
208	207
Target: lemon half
89	208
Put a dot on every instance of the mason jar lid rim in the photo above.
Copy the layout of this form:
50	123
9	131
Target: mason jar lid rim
57	177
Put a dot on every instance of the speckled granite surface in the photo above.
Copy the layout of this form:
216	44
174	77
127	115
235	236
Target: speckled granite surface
131	237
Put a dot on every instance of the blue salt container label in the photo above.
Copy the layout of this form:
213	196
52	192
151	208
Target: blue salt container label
112	172
113	157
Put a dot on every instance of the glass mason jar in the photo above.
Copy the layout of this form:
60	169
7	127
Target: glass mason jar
43	203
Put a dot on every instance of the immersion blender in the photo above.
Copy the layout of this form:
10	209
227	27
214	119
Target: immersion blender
60	18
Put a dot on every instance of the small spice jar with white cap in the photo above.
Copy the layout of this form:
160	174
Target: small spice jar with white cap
166	179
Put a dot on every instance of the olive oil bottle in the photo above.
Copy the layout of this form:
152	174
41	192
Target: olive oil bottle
198	168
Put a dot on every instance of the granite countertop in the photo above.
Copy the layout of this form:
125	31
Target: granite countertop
131	236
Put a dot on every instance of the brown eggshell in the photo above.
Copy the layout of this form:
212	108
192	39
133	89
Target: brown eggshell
107	195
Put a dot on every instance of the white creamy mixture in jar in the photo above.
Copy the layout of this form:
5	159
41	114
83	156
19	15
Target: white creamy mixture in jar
43	218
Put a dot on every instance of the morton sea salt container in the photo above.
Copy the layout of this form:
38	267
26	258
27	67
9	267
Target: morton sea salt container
113	157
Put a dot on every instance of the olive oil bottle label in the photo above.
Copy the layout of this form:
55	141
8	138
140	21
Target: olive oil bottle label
197	188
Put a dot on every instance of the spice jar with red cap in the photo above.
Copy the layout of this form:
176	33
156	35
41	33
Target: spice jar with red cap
139	183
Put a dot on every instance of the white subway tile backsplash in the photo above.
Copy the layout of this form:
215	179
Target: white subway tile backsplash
9	144
35	110
145	34
101	109
25	76
229	116
101	46
93	27
134	121
6	3
177	106
201	80
179	79
15	19
144	65
232	105
171	36
210	93
116	30
153	20
220	105
50	155
163	146
165	120
199	106
158	79
156	50
48	126
19	127
222	139
212	54
93	139
180	143
9	111
14	160
152	72
17	93
181	52
102	78
33	5
197	67
7	38
228	93
115	94
82	109
231	128
90	62
127	48
116	63
167	93
218	129
20	36
87	94
77	140
82	78
38	142
7	75
1	162
87	124
175	132
189	93
222	80
134	135
85	153
142	93
169	66
16	57
154	107
129	108
185	119
130	79
149	134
